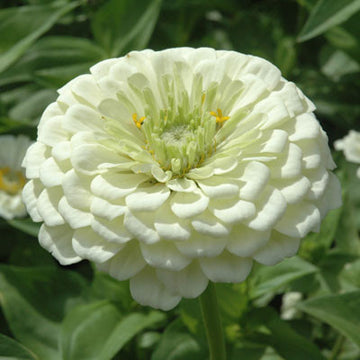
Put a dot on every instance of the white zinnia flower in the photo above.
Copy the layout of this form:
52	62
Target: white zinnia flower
12	177
350	145
176	167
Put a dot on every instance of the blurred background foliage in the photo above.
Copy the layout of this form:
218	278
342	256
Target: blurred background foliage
49	313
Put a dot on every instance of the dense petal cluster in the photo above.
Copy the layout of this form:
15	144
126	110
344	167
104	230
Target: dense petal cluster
12	176
177	167
350	145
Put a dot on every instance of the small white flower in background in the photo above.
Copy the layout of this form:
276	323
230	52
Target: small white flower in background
12	176
177	167
288	306
350	145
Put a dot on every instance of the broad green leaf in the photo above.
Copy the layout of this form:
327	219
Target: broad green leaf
269	279
340	311
98	331
22	26
34	302
51	55
177	344
248	352
13	350
326	14
281	336
121	26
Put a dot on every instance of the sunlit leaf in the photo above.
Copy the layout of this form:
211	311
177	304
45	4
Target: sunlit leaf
340	311
22	26
13	350
98	331
326	14
121	26
34	302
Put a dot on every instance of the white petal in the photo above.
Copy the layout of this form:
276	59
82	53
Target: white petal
289	164
74	217
208	224
256	176
107	210
231	211
51	132
148	290
113	186
141	226
50	173
76	188
270	207
57	240
36	154
47	205
86	90
80	117
189	282
279	247
244	241
126	263
276	142
61	151
181	185
319	179
201	246
169	226
293	191
88	158
165	255
147	198
89	245
223	165
226	268
305	127
30	194
219	187
187	205
299	220
113	231
331	199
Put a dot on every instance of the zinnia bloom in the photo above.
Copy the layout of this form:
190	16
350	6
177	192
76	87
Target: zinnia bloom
12	177
350	145
177	167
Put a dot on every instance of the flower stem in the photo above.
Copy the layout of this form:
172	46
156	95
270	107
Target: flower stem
212	322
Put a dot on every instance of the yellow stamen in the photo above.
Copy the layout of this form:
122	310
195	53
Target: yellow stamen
219	116
203	98
137	122
11	181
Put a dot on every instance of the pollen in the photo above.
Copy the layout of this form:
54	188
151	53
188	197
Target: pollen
11	181
138	122
219	116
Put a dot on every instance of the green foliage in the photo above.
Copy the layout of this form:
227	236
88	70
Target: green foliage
49	313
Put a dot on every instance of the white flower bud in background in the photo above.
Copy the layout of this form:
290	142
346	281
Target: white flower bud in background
177	167
288	306
350	145
12	176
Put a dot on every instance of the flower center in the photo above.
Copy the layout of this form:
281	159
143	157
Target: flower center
11	181
180	140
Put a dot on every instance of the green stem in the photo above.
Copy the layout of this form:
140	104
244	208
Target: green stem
337	347
212	322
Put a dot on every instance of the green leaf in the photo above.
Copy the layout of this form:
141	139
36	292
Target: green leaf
98	331
248	352
269	279
326	14
340	311
121	26
34	302
177	344
13	350
21	26
25	225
